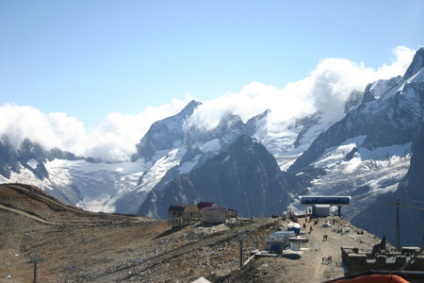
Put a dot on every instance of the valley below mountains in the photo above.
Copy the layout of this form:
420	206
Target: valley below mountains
373	153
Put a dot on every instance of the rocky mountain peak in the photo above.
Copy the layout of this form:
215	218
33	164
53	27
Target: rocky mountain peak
256	122
416	65
230	121
243	174
189	109
165	133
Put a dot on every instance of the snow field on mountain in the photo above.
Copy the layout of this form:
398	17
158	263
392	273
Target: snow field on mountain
366	175
99	184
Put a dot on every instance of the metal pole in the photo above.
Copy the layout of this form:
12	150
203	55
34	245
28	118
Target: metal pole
241	253
35	261
397	224
241	236
35	271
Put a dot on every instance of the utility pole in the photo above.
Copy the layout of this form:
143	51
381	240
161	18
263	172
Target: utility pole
241	237
398	206
241	253
35	258
397	227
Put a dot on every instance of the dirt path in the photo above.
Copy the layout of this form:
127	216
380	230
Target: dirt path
325	250
23	213
45	209
326	239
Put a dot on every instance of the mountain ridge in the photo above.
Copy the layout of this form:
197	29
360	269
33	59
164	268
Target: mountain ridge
245	177
366	154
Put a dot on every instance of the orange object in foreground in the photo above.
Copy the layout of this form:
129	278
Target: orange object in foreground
374	278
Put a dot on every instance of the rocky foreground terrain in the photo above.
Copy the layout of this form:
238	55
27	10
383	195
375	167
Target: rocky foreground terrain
73	245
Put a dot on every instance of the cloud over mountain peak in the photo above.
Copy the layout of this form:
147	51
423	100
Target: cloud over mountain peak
324	90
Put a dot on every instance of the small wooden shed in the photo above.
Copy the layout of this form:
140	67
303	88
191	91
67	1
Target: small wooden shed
295	242
232	213
278	241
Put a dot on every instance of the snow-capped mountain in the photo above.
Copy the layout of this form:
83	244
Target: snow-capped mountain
88	183
366	154
245	176
372	140
380	217
170	148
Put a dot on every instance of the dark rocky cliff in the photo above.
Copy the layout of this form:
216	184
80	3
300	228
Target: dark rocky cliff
244	177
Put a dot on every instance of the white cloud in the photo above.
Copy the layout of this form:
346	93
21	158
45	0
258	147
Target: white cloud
326	89
19	122
67	132
117	135
114	139
402	58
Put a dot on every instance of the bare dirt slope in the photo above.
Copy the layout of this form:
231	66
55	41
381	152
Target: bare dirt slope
78	246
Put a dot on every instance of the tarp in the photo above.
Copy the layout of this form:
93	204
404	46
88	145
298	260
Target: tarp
201	280
295	227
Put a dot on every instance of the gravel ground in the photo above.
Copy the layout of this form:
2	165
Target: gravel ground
77	246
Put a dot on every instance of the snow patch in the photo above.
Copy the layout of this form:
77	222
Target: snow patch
379	170
32	163
102	204
159	169
211	146
417	77
186	167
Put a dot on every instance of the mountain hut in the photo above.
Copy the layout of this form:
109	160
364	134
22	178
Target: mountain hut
213	215
191	214
181	214
205	204
175	214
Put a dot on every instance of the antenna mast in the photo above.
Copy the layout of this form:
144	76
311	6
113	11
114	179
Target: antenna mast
397	228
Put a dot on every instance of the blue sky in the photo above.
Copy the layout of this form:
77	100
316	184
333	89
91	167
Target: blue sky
88	59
